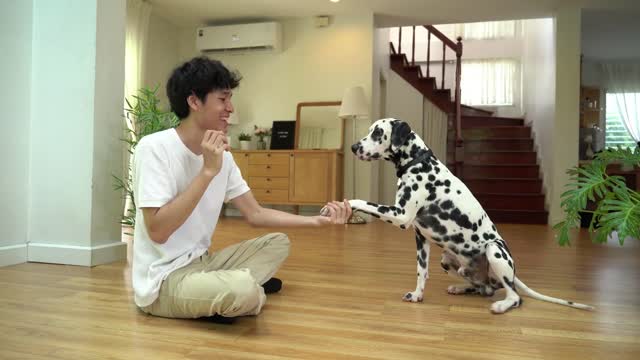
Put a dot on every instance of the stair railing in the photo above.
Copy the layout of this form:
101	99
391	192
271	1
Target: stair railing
457	114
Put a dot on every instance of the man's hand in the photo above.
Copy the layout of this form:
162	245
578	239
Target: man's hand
335	212
214	143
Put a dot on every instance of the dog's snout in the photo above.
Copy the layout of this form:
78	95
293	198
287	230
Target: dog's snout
355	147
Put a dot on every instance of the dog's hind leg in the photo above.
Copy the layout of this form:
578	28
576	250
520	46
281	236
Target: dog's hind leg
501	265
422	258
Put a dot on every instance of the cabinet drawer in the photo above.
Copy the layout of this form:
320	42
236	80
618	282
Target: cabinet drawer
278	183
270	195
269	170
269	159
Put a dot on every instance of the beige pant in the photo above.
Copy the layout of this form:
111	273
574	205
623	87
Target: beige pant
226	282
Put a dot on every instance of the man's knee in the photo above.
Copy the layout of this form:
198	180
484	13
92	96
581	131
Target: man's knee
244	296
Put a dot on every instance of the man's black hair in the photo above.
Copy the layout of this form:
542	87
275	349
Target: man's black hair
198	76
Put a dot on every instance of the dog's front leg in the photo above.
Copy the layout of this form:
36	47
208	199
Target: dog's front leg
400	215
423	269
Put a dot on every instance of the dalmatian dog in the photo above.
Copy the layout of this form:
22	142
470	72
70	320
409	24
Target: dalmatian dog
443	211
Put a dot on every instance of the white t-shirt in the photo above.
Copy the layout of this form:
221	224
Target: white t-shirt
163	168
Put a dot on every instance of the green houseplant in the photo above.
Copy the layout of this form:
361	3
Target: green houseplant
617	207
147	118
244	139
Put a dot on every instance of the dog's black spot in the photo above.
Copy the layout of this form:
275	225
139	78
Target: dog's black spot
432	178
509	283
375	215
383	209
446	191
423	254
460	219
480	222
445	266
419	177
475	237
402	227
475	227
493	227
570	302
432	223
497	255
446	205
390	222
372	204
414	187
402	202
458	191
466	246
470	290
457	238
433	209
520	302
438	183
432	196
443	216
454	249
422	263
437	169
447	183
510	264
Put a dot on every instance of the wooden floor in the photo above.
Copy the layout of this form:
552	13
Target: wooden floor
341	300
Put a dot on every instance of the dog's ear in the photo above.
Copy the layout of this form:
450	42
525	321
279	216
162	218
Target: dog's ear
400	131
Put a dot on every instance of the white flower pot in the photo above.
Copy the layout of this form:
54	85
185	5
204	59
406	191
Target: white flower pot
245	145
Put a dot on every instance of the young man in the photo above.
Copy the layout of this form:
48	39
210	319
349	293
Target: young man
181	177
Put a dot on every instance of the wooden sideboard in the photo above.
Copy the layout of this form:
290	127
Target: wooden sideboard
292	177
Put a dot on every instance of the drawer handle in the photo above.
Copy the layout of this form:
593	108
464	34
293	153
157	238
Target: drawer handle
268	155
268	191
268	166
268	179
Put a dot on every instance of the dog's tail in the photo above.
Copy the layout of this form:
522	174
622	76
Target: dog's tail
531	293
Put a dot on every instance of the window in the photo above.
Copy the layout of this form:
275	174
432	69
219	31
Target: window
616	133
488	82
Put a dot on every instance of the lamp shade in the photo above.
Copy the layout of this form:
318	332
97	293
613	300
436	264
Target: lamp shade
353	103
233	119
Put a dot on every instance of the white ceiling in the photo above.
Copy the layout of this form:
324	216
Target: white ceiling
611	34
189	13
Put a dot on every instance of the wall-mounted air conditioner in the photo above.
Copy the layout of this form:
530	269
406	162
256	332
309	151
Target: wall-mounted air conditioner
256	36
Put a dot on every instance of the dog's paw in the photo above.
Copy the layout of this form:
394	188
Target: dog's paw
412	296
500	307
357	204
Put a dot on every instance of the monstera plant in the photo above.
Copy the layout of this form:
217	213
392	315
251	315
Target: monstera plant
147	118
617	207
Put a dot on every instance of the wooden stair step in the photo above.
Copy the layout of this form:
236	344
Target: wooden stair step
504	185
518	216
497	144
490	121
500	171
500	157
480	133
503	201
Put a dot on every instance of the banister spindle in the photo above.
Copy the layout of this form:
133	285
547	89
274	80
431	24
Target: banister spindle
428	50
444	52
400	40
413	47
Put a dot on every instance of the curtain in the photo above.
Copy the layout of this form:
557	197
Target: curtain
622	81
488	82
137	27
488	30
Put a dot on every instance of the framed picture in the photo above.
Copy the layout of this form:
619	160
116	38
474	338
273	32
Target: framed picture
283	135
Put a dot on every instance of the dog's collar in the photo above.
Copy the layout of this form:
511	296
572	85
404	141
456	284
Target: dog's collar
403	169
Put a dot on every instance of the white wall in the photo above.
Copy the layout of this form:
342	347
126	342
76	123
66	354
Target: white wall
15	71
76	92
565	134
538	66
163	54
380	74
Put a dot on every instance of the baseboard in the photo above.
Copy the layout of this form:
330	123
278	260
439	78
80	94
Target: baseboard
12	255
77	255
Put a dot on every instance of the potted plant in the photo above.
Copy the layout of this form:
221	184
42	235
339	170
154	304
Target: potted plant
261	133
245	141
617	208
146	118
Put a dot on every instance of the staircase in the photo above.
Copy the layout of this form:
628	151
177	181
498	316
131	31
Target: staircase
495	156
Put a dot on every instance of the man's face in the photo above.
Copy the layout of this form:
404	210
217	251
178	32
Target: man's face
215	111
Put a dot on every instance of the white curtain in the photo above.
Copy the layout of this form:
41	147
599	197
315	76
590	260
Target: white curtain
623	82
488	82
137	28
488	30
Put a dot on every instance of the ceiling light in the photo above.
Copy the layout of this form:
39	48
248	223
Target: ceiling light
334	1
